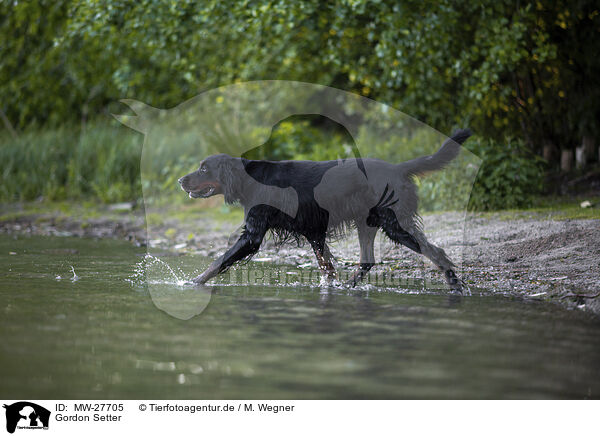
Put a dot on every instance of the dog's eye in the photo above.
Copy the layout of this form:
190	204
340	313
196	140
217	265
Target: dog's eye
202	169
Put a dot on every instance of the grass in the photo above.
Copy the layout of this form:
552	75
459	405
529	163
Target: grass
40	212
554	208
70	171
101	162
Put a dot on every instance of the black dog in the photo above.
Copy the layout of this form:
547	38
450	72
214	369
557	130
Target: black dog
316	199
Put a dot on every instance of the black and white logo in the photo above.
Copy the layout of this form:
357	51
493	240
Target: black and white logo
26	415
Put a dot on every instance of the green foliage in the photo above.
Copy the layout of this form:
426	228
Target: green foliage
34	86
499	67
297	138
509	177
526	69
103	162
446	190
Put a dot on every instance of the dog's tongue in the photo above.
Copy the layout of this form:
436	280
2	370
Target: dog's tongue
202	193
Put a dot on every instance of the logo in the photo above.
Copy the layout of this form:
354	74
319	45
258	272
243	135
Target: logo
26	415
234	128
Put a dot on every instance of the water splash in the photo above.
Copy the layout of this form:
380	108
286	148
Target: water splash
75	276
152	270
167	274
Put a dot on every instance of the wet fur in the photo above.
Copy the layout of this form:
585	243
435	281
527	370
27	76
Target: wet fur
328	198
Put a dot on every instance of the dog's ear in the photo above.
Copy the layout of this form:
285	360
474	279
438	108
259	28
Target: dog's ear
230	178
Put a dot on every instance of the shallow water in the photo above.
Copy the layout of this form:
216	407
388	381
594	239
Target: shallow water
101	336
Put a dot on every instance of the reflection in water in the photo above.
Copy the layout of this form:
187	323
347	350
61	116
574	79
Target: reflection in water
454	300
103	337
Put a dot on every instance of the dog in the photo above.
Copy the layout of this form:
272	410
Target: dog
315	200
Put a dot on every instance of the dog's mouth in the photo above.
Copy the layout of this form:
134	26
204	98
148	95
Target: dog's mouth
204	191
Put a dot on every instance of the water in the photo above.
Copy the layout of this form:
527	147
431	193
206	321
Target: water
101	336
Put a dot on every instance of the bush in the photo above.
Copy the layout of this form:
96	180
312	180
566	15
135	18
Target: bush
509	177
296	138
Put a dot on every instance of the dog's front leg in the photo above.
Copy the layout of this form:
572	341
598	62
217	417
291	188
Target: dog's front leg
248	244
213	270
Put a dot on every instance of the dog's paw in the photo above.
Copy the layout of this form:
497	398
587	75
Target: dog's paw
328	281
212	271
455	283
351	283
200	280
465	290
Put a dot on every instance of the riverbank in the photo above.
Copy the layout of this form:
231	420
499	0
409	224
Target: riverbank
542	254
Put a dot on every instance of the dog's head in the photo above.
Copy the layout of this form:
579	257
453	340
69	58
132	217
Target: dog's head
213	177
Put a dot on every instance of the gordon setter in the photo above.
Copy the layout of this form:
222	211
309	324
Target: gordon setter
315	199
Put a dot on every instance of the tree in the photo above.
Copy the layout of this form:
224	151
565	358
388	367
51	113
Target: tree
527	69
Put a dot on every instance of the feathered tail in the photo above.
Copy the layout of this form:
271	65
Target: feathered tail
447	152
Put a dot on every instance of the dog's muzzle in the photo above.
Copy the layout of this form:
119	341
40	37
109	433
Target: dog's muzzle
204	190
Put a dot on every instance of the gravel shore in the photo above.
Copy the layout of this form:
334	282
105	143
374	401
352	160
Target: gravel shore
530	257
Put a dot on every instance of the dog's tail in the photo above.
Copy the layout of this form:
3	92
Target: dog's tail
447	152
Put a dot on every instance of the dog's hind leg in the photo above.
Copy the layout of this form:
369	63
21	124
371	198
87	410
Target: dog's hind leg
366	238
324	258
439	257
411	236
